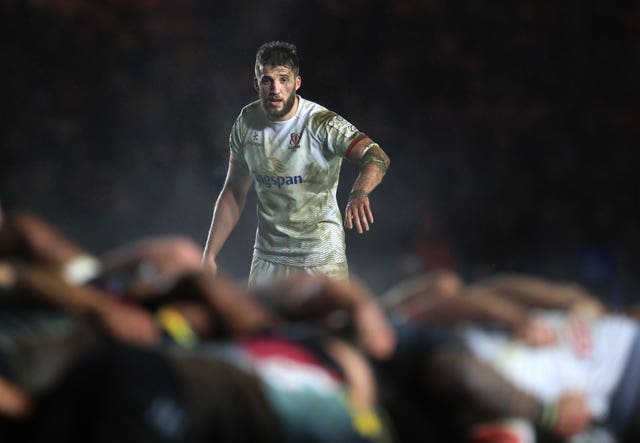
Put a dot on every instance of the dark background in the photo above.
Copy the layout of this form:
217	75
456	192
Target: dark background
513	127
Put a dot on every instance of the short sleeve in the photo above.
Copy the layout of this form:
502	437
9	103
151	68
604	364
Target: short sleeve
236	149
341	135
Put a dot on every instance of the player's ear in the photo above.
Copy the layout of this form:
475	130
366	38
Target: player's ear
298	82
255	84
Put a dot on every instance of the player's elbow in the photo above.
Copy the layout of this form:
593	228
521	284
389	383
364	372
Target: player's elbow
377	157
385	158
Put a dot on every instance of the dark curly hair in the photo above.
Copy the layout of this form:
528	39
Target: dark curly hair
278	53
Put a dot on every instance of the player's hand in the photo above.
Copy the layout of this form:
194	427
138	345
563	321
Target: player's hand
573	415
537	332
14	401
8	275
358	213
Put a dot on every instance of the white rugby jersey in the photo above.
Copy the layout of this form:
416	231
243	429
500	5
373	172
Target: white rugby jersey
295	165
589	356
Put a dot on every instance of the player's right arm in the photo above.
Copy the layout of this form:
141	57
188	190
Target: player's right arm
226	212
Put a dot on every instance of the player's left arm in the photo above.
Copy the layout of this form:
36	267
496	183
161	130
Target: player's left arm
373	162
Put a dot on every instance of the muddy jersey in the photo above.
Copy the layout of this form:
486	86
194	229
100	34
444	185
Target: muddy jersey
589	356
295	165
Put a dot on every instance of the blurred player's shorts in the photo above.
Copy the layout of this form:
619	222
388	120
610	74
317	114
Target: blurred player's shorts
265	271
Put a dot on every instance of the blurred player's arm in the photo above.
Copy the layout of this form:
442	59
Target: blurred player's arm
231	311
373	163
334	304
44	285
38	284
485	396
439	299
226	212
533	292
487	309
29	237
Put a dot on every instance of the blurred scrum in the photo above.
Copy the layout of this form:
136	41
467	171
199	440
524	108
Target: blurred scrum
512	124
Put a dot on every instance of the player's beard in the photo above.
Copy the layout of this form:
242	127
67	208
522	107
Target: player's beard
273	114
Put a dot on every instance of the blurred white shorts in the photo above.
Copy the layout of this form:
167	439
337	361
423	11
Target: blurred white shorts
265	271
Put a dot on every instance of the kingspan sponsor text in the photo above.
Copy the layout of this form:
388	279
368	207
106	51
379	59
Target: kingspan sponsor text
278	180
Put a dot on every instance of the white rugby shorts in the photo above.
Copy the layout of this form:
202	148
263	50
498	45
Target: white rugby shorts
265	271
